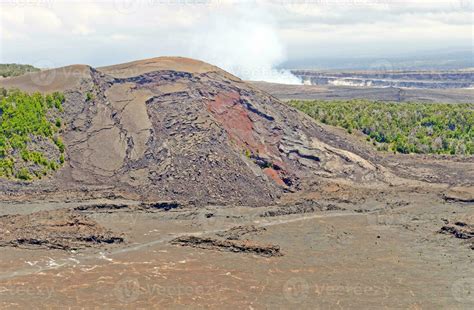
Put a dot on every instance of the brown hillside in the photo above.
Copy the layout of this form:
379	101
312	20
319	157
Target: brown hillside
180	129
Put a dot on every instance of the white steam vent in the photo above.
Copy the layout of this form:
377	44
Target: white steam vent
246	43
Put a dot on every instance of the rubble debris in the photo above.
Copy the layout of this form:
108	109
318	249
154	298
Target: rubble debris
301	207
146	207
58	229
102	207
235	233
460	230
228	246
166	206
459	194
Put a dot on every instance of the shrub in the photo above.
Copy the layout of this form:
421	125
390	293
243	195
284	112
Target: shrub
403	127
59	143
23	119
9	70
23	174
89	96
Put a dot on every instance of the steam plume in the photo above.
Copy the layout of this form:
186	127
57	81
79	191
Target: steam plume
245	43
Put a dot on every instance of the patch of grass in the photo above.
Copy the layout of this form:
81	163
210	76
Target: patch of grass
247	153
90	96
59	143
23	174
26	119
401	127
10	70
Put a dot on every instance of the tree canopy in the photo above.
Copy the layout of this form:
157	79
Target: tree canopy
401	127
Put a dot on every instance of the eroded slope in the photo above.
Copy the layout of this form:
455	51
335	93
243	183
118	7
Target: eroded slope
180	129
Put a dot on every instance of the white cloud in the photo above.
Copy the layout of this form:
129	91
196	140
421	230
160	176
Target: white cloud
246	37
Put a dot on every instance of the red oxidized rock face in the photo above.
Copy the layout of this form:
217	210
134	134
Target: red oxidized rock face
234	118
274	175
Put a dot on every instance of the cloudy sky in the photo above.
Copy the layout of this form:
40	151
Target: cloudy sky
241	36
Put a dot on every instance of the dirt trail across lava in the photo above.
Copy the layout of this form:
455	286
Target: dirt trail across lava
389	250
170	237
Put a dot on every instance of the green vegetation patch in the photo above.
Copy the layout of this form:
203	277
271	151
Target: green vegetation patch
10	70
401	127
30	145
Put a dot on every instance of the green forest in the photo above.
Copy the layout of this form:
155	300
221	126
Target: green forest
9	70
424	128
30	145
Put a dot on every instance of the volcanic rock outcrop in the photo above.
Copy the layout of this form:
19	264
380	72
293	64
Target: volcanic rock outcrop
173	129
